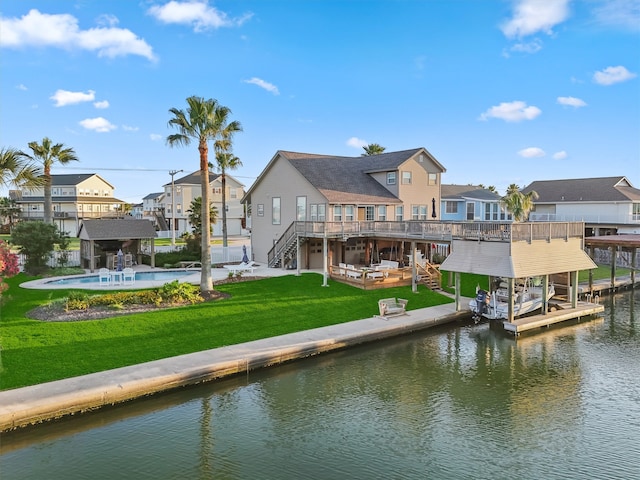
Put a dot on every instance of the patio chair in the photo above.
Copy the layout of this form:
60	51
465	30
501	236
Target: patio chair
104	276
128	276
342	270
128	260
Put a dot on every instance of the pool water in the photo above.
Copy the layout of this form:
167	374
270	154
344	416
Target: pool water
167	275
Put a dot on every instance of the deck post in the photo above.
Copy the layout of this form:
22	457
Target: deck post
457	294
574	289
545	294
614	254
414	268
297	255
325	266
511	287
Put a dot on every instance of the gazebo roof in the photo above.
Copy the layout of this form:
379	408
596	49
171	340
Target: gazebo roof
116	229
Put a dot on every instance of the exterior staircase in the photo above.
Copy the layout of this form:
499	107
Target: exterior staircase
161	222
284	249
429	275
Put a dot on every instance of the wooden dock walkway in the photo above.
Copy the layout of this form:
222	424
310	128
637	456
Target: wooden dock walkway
564	312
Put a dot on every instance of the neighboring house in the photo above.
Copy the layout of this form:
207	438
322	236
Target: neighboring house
342	193
472	203
74	197
188	188
153	209
607	205
137	211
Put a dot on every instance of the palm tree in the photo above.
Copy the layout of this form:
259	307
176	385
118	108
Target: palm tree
17	170
203	121
518	203
195	215
372	149
47	153
225	161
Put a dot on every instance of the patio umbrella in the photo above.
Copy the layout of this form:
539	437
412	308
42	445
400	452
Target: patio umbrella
120	258
245	259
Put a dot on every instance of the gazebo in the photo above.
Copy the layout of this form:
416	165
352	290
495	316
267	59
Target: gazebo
100	240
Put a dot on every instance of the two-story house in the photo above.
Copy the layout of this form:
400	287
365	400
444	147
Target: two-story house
607	205
74	198
153	209
178	195
344	195
472	203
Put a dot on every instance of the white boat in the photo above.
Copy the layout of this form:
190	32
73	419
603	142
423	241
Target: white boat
527	298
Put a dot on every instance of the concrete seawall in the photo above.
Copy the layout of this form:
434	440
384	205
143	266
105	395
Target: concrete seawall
34	404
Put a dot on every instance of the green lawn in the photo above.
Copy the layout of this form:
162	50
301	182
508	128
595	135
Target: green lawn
36	352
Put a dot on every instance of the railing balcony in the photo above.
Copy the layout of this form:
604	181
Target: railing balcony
629	219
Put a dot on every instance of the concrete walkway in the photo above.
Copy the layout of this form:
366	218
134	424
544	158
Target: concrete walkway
30	405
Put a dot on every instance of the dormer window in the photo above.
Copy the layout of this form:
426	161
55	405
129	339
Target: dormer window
391	178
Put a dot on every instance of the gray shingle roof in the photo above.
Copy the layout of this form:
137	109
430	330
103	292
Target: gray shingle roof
74	179
192	179
153	195
461	192
347	179
116	229
603	189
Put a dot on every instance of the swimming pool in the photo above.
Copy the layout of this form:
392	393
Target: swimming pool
165	275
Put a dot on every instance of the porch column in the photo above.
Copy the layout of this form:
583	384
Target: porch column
153	253
325	266
545	294
297	255
614	255
414	268
91	261
633	265
510	286
457	290
574	289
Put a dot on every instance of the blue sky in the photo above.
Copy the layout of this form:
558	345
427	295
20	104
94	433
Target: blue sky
499	91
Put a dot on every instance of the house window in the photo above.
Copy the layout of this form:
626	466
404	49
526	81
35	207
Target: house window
275	211
233	193
382	213
415	212
178	208
261	209
178	190
423	212
337	213
301	208
470	210
406	178
348	213
217	190
391	178
636	212
399	213
432	179
451	207
369	213
317	212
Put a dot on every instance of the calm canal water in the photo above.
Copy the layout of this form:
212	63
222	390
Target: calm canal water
461	402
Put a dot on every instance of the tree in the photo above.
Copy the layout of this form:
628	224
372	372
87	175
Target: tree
203	121
47	153
225	161
372	149
36	240
18	170
9	210
518	203
195	215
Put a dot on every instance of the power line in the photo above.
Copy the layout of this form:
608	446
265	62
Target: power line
135	170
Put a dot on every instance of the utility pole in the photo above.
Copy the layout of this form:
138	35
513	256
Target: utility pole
173	207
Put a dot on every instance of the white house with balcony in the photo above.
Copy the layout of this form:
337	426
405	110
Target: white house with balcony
74	197
607	205
177	197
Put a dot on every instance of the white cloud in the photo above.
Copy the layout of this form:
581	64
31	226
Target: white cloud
37	29
128	128
533	16
561	155
269	87
533	46
65	97
512	112
155	137
22	87
195	13
611	75
101	104
618	13
98	124
357	142
531	152
572	102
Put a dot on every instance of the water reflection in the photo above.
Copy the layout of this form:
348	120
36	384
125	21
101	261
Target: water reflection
464	402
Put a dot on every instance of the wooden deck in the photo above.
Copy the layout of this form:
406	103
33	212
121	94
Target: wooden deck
562	313
371	280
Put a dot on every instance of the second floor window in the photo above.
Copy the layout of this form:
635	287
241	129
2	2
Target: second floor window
348	213
275	211
406	178
369	213
301	208
399	213
382	213
337	213
432	179
391	178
